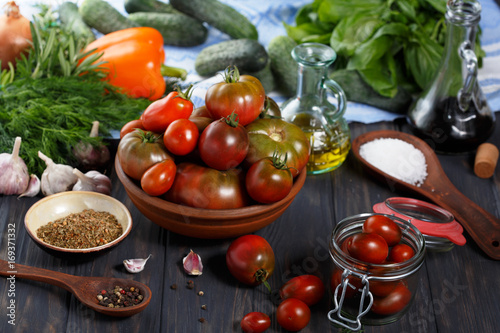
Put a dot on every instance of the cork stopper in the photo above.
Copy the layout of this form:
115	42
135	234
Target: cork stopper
486	160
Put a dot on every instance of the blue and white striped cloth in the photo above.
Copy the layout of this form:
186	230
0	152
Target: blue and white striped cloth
268	17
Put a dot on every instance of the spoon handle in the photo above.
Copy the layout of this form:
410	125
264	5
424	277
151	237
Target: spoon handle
37	274
482	226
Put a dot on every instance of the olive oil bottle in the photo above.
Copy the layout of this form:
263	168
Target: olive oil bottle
318	108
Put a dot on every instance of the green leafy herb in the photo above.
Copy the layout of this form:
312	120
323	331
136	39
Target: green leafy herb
52	97
374	37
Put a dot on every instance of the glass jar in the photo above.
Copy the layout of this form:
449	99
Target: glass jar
372	294
318	108
452	114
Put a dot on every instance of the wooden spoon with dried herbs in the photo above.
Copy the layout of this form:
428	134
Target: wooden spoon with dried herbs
85	289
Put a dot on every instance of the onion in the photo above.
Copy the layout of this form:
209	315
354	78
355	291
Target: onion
15	34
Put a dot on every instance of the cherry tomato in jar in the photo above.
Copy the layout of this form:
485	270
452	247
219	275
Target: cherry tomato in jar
250	259
400	253
293	314
354	284
394	302
130	127
159	114
243	95
269	180
308	288
224	143
255	322
370	248
181	137
383	226
159	178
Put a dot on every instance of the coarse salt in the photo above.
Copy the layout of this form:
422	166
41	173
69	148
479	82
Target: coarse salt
397	158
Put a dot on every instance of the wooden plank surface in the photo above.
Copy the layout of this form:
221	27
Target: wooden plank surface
459	290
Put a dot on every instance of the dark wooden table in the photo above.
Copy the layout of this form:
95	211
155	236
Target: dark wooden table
459	290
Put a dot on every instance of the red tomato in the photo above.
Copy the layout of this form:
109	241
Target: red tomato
344	244
268	135
268	180
159	178
130	127
250	259
400	253
308	288
382	288
181	137
139	150
255	322
385	227
159	114
224	143
396	301
243	95
202	187
293	314
371	248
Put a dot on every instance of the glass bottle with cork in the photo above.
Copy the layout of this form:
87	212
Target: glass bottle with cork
318	108
452	114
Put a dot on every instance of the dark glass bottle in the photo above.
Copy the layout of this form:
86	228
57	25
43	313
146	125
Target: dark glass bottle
452	114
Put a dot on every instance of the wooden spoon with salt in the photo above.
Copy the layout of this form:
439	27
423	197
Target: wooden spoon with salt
482	226
85	288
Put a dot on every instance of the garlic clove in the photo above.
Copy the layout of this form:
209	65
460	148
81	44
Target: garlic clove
135	265
192	264
33	187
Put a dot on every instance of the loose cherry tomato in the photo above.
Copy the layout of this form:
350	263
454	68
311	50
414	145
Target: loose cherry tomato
250	259
371	248
130	127
243	95
396	301
293	314
269	180
385	227
224	143
159	114
401	252
181	137
159	178
308	288
255	322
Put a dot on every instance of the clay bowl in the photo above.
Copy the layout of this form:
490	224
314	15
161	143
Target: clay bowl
62	204
206	223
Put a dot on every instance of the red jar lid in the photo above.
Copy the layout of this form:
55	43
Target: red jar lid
430	219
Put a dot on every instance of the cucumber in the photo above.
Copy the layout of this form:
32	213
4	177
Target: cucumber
103	17
357	90
283	66
176	29
265	77
72	21
246	54
134	6
220	16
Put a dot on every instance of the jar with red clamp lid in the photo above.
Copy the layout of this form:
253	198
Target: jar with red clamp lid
368	293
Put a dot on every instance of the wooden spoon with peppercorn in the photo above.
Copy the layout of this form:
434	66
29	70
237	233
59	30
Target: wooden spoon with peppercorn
86	289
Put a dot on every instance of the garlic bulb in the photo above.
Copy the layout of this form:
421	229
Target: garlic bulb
93	181
56	177
92	157
14	176
33	187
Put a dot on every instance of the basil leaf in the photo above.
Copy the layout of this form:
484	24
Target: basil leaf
422	56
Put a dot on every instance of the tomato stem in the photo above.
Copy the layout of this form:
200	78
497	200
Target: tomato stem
261	276
231	74
232	120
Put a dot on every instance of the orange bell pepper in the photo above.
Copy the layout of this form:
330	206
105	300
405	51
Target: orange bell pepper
134	58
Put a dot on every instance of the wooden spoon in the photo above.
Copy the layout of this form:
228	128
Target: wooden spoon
85	289
483	227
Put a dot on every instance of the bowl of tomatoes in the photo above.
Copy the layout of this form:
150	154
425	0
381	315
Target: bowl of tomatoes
202	222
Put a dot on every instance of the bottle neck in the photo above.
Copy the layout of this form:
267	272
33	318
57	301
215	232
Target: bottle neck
310	80
462	19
